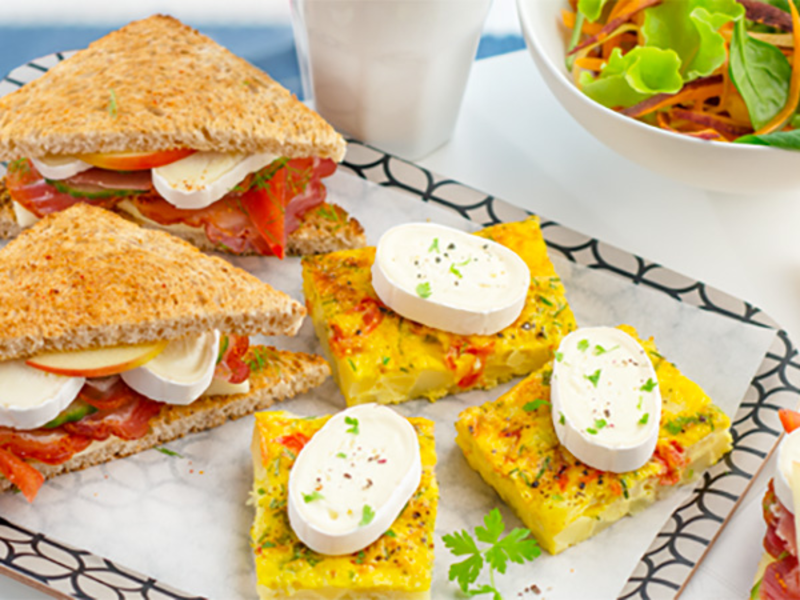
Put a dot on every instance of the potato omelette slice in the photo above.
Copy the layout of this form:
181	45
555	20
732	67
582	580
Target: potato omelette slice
397	566
512	443
378	356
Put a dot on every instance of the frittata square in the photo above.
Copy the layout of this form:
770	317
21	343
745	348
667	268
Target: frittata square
379	356
397	566
512	443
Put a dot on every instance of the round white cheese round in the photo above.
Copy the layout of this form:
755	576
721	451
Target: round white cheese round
181	373
788	452
29	398
605	399
352	480
450	280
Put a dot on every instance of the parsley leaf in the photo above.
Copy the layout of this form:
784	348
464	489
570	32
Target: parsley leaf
353	422
531	406
559	356
424	290
644	419
434	246
594	377
315	495
583	345
367	514
516	547
649	386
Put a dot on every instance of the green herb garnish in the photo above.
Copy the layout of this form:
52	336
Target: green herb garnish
424	290
341	455
353	422
645	418
168	452
367	514
516	547
531	406
594	377
113	105
559	356
649	386
315	495
583	345
434	246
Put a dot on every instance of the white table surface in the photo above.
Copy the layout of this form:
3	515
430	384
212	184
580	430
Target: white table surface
513	140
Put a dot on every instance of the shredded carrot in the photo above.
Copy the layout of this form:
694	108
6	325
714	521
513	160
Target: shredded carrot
611	28
588	28
786	113
590	64
616	10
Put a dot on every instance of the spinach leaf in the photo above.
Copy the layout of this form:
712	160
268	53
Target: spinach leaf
691	28
761	73
789	140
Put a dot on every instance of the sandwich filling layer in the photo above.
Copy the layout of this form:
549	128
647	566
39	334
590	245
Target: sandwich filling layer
251	214
116	404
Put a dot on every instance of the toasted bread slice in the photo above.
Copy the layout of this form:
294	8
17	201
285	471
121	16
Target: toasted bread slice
283	375
157	84
86	277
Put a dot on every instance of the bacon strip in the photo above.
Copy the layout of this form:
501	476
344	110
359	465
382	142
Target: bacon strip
613	24
766	14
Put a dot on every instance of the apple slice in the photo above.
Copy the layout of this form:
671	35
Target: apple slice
97	362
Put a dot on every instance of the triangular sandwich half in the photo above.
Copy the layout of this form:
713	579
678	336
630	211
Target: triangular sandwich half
167	127
114	338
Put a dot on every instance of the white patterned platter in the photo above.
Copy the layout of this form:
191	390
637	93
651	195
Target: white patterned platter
65	571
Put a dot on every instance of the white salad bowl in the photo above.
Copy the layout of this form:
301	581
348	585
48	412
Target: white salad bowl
717	166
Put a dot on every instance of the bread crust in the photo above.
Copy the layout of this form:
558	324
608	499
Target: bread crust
284	375
87	278
325	228
157	84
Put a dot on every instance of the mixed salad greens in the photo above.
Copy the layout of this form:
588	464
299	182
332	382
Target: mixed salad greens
722	70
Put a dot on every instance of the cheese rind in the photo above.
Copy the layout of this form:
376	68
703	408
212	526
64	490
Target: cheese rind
59	167
606	399
445	278
180	373
30	398
202	178
353	478
788	453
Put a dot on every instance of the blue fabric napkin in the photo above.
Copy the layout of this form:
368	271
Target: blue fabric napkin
270	48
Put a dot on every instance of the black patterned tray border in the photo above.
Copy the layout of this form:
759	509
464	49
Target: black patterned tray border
63	571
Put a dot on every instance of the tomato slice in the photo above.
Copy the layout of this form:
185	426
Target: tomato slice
790	419
294	441
135	161
231	366
266	206
21	474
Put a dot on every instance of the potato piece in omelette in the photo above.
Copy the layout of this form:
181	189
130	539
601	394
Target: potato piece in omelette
512	443
378	356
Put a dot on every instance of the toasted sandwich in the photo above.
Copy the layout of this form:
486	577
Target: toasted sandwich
778	573
114	339
161	124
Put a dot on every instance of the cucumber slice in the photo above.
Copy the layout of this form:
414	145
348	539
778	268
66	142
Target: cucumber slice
74	412
90	192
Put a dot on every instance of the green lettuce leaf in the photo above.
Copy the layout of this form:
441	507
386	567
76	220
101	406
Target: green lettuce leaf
690	28
591	9
627	80
789	140
761	73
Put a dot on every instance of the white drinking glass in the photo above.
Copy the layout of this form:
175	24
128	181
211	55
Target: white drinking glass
391	73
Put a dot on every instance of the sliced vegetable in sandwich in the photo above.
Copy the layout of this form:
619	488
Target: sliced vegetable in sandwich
166	127
112	333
